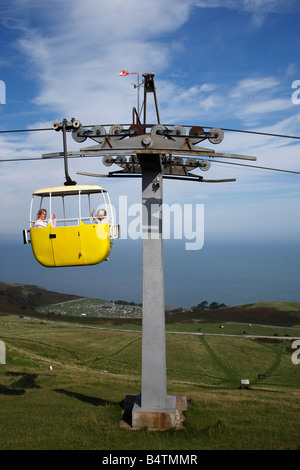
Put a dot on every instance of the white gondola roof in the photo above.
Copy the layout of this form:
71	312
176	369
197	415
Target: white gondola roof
69	190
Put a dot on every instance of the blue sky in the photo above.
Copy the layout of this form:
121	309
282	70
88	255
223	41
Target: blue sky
229	64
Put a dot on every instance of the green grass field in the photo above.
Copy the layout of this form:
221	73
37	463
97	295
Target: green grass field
78	404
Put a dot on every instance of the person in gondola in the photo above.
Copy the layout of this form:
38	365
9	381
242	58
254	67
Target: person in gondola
100	217
41	221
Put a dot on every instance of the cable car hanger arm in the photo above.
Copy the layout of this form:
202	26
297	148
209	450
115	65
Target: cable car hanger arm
64	126
121	174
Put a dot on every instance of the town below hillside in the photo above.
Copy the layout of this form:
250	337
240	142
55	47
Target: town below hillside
30	300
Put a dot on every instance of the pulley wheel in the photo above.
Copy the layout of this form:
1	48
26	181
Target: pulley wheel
76	124
121	160
133	159
116	129
178	130
158	129
177	161
107	160
138	128
204	165
191	162
76	135
217	135
55	126
195	131
98	131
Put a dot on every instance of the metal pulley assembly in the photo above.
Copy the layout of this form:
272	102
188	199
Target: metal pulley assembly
116	129
177	161
178	130
79	135
107	160
191	163
136	129
98	131
120	161
68	125
121	146
134	159
129	146
197	131
197	134
158	129
216	135
204	165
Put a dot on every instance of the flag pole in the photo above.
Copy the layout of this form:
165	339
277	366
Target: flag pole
138	97
124	73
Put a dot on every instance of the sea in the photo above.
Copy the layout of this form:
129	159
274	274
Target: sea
229	272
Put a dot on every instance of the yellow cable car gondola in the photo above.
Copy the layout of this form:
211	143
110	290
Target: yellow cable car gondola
72	228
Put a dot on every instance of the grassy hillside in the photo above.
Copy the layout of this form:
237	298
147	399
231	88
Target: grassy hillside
32	300
78	404
268	313
21	298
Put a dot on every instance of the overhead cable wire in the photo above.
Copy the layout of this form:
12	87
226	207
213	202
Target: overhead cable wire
26	130
224	129
207	127
262	133
213	161
257	166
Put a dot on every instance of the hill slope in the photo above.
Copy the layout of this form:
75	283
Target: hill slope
21	298
17	298
267	313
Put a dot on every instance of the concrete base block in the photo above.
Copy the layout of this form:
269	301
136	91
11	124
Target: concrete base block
159	419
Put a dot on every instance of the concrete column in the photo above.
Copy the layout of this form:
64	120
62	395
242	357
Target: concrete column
154	387
155	409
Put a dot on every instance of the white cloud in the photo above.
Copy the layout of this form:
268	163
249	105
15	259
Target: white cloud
268	106
74	52
253	6
253	85
258	9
